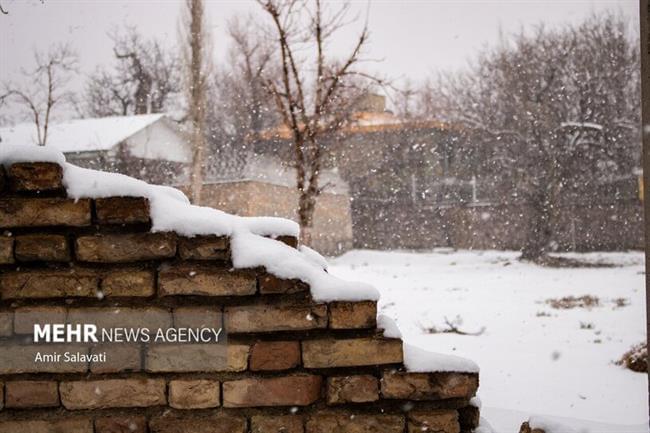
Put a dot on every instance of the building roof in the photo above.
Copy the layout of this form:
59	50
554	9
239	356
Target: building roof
81	135
366	123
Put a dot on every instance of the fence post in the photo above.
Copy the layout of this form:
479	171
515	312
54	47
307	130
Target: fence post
645	134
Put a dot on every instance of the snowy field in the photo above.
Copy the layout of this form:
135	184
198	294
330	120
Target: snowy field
534	359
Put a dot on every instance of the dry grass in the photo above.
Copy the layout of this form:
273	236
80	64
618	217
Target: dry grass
636	359
621	302
452	327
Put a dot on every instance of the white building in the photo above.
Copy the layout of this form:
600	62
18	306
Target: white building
154	148
149	146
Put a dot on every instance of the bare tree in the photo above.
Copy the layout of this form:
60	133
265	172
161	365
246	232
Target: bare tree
197	70
107	94
404	99
240	107
250	60
552	114
45	87
128	51
316	99
143	80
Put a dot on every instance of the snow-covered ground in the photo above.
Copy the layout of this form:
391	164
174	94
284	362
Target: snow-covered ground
534	359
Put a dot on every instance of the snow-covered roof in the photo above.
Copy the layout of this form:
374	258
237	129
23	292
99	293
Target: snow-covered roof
81	135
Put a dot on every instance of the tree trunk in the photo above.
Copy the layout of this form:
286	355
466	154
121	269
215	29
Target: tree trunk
197	98
142	94
306	208
537	242
196	174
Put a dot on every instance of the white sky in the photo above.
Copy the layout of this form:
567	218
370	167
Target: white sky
413	38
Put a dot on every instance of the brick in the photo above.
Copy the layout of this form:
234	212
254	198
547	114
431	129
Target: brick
41	212
434	420
6	323
129	282
194	394
346	423
469	418
275	355
17	359
428	386
221	424
353	315
198	317
165	358
119	358
351	352
122	317
102	394
292	241
276	424
189	279
203	248
35	176
31	393
53	248
299	390
73	282
26	317
54	425
121	424
270	284
6	250
270	318
121	248
122	210
352	389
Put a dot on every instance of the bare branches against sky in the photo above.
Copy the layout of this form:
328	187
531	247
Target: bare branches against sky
449	32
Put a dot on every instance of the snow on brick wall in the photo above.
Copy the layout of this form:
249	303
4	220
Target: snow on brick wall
301	350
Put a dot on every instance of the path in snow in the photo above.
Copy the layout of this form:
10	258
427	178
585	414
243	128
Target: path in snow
534	359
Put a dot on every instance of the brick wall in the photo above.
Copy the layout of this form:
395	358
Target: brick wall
332	216
290	364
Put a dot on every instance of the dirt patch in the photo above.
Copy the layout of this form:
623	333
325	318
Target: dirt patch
569	302
566	262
